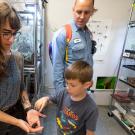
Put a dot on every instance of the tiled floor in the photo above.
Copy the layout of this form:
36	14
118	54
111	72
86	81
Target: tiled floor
106	125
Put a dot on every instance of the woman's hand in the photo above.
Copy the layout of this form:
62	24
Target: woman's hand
23	125
41	103
26	127
33	118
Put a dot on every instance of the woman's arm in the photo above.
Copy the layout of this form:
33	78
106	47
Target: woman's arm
33	116
8	118
18	122
25	100
14	121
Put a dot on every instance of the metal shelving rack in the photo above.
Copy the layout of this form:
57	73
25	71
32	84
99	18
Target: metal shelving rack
122	106
31	13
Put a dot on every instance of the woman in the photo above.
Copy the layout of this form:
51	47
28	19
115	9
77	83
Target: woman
11	80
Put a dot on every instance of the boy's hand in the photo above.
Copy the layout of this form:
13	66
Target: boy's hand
33	117
41	103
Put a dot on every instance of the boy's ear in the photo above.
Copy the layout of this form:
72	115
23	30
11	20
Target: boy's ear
88	84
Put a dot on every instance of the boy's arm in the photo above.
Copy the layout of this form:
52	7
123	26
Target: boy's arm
41	103
89	132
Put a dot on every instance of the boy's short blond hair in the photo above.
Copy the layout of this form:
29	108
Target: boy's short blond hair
80	70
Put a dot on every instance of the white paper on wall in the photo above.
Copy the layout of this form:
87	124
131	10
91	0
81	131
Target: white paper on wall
101	30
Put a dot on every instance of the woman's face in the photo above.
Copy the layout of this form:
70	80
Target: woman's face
7	36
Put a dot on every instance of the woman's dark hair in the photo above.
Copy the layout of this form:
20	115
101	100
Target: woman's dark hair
7	13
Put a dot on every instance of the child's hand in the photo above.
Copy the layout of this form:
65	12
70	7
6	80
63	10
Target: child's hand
41	103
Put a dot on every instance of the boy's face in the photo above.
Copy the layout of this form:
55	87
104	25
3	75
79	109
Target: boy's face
75	88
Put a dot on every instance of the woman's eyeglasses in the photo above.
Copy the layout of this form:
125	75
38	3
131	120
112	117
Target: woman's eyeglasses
8	35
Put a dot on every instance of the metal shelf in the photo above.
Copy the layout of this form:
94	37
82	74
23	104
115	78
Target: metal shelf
32	15
127	106
131	67
122	105
125	81
129	54
123	124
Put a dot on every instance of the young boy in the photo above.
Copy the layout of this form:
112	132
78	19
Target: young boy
77	113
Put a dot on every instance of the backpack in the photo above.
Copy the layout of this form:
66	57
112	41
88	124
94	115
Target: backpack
68	30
